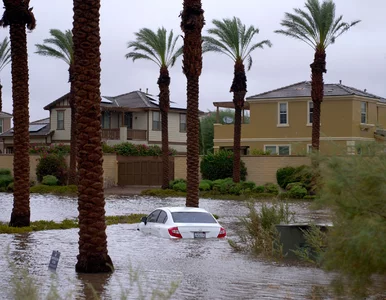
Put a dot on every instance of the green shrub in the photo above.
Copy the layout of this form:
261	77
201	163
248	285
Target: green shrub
59	149
175	181
235	188
107	148
204	186
5	171
3	189
297	192
180	187
52	164
284	196
271	188
293	184
283	176
129	149
248	185
210	182
259	189
219	166
50	180
5	180
10	187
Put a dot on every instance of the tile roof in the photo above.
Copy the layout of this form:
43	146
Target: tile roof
136	99
303	89
43	130
5	115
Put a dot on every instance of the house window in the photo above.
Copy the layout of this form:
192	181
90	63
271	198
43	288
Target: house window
283	113
182	122
1	125
60	120
363	112
105	122
128	121
156	120
309	148
278	149
310	112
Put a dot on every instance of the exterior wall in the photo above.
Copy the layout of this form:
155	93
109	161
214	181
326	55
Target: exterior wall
140	120
180	167
61	135
381	111
6	124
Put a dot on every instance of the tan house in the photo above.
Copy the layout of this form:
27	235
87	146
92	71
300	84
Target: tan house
5	125
281	120
133	117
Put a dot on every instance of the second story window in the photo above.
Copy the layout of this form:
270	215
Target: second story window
1	126
60	120
363	112
156	120
182	122
310	112
283	113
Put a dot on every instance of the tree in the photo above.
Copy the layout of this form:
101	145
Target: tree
5	59
17	16
192	21
63	48
318	28
93	256
159	48
232	38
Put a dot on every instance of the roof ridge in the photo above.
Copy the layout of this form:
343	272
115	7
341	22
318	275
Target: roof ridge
140	94
274	90
38	121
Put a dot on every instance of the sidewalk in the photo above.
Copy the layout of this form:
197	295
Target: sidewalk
128	190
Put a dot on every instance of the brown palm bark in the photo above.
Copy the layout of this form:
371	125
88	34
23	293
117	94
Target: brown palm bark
72	178
93	255
239	89
17	16
164	100
192	22
318	67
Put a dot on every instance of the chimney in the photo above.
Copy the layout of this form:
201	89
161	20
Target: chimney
140	89
340	81
365	90
147	90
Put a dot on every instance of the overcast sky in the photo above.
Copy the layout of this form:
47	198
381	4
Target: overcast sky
358	57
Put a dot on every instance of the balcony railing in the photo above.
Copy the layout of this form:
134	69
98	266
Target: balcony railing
132	134
110	134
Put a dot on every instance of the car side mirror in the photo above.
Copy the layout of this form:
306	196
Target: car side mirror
144	220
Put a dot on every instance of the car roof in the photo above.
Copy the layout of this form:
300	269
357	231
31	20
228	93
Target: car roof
183	209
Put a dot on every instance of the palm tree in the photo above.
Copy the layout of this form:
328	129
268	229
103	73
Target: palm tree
192	22
160	49
318	28
93	255
63	48
232	38
5	59
17	16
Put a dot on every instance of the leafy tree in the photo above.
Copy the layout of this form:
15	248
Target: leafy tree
61	46
192	21
93	255
318	28
159	48
18	16
5	59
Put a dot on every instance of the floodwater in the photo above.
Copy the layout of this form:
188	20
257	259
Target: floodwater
203	269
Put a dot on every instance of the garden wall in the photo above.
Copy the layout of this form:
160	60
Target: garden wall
261	169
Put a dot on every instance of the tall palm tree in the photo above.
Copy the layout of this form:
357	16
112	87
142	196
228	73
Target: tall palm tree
159	48
63	48
93	255
318	28
5	59
232	38
17	16
192	22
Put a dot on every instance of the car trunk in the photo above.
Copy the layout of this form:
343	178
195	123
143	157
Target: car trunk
199	230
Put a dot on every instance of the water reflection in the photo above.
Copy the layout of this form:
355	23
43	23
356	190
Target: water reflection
93	286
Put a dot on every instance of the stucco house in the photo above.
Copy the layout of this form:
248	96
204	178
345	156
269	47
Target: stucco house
133	117
5	125
281	120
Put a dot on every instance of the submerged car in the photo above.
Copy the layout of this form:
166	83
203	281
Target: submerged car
181	222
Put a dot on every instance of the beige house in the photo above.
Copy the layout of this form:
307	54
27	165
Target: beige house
281	120
5	125
133	117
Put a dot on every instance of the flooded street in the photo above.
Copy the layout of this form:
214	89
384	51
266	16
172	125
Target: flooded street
207	269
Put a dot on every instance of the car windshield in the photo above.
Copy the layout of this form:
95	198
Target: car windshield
192	217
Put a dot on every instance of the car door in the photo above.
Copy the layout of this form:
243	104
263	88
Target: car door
159	227
151	219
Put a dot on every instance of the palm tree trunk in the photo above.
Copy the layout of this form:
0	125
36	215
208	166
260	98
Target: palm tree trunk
163	83
73	149
318	67
93	255
239	89
21	207
192	22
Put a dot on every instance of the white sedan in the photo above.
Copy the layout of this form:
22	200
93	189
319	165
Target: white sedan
181	222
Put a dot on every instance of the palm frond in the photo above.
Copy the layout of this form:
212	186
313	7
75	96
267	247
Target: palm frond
255	46
5	53
213	45
137	55
45	50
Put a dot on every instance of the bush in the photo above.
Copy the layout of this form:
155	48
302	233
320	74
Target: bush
271	188
5	180
204	186
5	172
259	189
283	176
210	182
175	181
222	185
180	187
52	164
297	192
219	166
248	185
10	187
50	180
129	149
293	184
235	188
59	149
